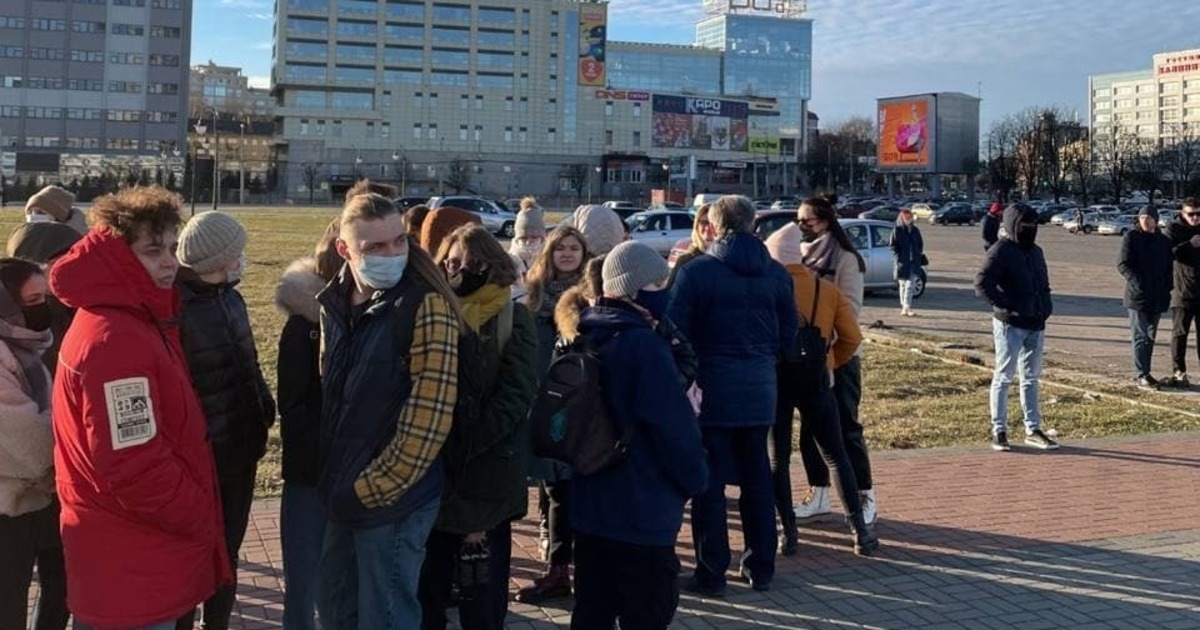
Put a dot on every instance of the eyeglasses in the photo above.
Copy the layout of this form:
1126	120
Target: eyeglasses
1191	214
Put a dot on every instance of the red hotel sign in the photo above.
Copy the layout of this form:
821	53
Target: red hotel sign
622	95
1176	65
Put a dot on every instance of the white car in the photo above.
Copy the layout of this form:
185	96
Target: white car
497	220
1116	225
660	229
1091	221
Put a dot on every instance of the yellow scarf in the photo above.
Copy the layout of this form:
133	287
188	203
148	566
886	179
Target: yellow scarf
484	304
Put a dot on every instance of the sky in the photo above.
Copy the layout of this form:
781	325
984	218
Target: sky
1013	53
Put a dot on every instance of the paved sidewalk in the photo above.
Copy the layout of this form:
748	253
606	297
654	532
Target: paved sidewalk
1101	534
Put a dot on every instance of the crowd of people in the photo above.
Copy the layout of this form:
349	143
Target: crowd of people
414	349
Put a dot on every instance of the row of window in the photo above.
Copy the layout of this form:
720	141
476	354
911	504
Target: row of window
75	142
416	11
88	85
87	26
442	35
89	56
429	131
86	113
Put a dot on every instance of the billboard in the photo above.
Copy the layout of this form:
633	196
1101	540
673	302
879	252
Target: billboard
766	145
906	134
593	37
685	122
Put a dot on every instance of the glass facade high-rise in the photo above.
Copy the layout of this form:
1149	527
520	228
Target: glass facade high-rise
664	68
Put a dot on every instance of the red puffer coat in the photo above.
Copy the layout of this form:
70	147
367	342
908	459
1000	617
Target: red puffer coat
141	516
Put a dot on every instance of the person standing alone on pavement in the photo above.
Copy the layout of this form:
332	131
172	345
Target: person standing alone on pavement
1145	262
1015	281
908	250
1184	235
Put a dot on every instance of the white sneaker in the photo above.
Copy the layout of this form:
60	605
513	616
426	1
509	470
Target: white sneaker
867	498
815	503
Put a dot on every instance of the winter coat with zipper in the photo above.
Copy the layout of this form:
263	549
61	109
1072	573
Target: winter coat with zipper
141	515
908	247
493	487
735	305
219	345
26	438
1186	292
1145	262
299	374
1014	278
640	499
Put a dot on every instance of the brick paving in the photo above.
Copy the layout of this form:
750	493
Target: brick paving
1101	534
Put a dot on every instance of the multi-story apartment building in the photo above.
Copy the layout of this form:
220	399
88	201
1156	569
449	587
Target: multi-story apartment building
227	90
92	86
533	98
1157	105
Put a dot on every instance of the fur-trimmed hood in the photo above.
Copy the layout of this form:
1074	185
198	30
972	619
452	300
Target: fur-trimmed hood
296	293
567	312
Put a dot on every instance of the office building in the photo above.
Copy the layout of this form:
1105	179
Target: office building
90	87
500	97
227	90
1157	105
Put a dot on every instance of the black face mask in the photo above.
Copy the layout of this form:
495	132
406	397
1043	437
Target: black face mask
471	282
1027	234
807	234
37	317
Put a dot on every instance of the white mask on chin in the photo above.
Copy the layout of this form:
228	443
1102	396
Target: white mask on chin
38	217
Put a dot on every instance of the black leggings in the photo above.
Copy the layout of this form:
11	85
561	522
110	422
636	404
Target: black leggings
847	393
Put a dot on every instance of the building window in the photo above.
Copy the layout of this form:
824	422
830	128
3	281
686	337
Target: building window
433	100
320	127
637	138
478	101
417	131
370	129
637	110
462	132
608	108
478	133
508	134
551	135
136	30
166	32
464	102
417	98
1145	89
385	130
1168	88
608	137
433	132
522	135
524	106
508	103
337	129
1170	101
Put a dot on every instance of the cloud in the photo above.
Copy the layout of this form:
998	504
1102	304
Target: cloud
245	4
260	16
263	46
259	82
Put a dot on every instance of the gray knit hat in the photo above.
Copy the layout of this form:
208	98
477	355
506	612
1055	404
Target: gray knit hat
601	227
631	266
529	222
53	201
210	241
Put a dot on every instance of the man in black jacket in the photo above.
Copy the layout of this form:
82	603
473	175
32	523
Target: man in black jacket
991	225
1145	261
219	344
1184	235
1016	282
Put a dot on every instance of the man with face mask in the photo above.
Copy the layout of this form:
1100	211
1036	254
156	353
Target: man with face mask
53	204
1015	281
219	345
390	328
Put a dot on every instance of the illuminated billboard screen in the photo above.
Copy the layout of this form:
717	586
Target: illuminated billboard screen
905	134
684	122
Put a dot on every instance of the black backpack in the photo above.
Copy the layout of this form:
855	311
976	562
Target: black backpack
571	419
804	362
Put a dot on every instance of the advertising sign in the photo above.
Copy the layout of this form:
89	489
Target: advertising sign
593	27
684	122
905	134
768	145
622	95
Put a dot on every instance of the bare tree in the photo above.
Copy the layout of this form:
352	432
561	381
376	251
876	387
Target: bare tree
1148	166
1058	136
577	177
1113	151
1003	143
1077	163
1181	155
311	174
458	175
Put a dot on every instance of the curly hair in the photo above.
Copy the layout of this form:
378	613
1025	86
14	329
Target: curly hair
131	211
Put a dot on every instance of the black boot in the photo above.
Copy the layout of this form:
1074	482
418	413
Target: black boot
865	542
789	544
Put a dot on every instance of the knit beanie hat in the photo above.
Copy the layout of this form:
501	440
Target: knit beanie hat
784	245
53	201
601	227
529	204
1148	211
210	242
529	223
440	223
39	242
631	266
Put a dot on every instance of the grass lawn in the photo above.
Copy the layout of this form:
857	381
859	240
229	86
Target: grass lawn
910	400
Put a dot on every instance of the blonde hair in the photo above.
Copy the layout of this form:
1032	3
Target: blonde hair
528	202
543	270
698	242
483	248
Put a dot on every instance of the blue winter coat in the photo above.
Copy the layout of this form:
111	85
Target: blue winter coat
735	305
640	499
908	246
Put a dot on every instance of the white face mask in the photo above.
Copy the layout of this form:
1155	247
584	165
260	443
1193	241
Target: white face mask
38	217
235	274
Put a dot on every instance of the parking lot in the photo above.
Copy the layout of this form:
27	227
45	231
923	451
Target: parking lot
1089	329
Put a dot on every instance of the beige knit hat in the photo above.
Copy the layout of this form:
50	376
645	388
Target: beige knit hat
601	227
784	245
210	242
52	200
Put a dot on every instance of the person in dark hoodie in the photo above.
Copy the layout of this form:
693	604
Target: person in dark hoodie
43	243
627	517
302	517
1016	282
1145	262
735	305
219	345
1184	235
991	225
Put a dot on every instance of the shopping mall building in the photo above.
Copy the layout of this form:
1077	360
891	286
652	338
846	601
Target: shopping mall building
506	97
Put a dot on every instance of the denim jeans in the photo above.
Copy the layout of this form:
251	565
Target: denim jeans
1017	349
735	456
1144	329
368	577
302	532
617	581
908	287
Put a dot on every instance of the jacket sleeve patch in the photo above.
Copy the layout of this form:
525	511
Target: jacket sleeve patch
130	412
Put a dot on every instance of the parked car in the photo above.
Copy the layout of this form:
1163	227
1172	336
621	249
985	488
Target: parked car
496	219
1062	217
1116	225
660	229
851	210
785	204
404	203
955	213
924	210
1091	221
881	213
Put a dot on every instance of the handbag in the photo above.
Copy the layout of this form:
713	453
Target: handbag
804	362
924	260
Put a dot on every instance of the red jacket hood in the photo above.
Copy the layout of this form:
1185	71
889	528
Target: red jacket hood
102	270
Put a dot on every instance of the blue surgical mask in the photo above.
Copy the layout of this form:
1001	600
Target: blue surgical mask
382	272
654	301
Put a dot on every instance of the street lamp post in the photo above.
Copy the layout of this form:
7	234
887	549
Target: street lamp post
666	167
242	165
195	158
599	181
357	164
216	147
396	173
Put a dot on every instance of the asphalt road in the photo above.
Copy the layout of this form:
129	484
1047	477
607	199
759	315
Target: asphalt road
1089	329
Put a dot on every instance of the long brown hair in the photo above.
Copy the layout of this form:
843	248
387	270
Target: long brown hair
485	249
824	211
543	270
372	206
